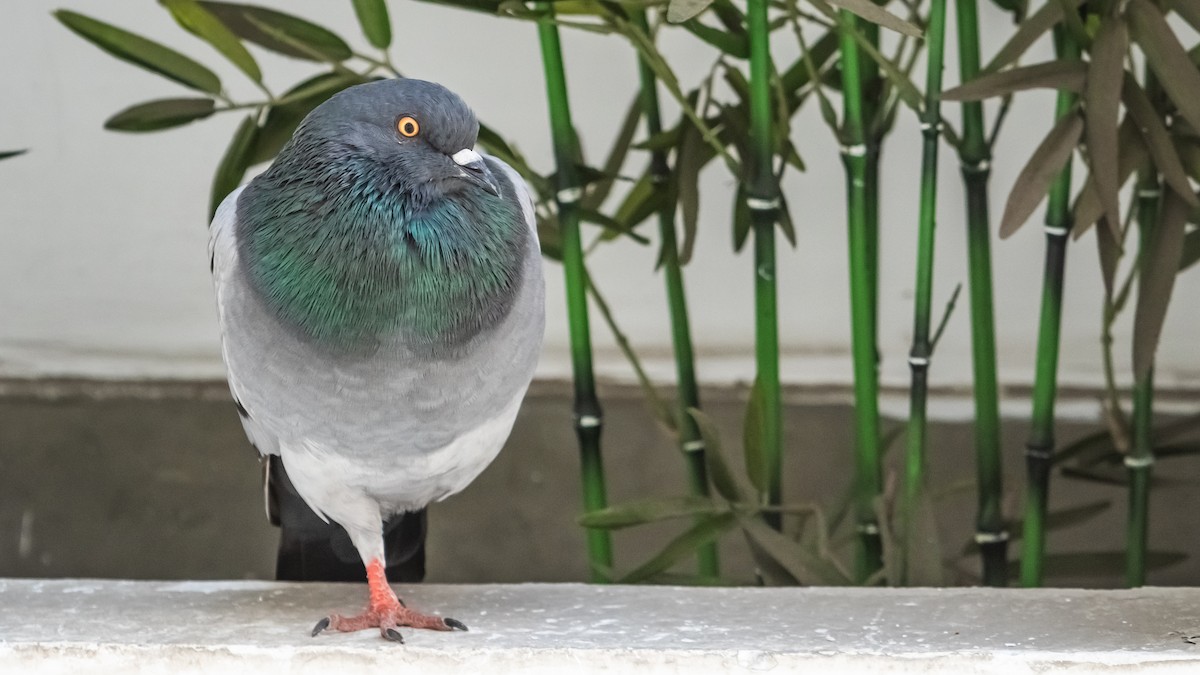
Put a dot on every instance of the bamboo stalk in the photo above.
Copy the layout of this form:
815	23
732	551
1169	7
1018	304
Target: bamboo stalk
691	443
1039	451
975	156
922	347
588	414
763	200
1140	459
867	482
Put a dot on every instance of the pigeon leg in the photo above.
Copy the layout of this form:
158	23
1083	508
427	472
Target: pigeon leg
385	612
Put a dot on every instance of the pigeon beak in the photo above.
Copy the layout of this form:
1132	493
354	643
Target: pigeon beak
475	170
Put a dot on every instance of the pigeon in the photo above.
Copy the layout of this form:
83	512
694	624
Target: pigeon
381	302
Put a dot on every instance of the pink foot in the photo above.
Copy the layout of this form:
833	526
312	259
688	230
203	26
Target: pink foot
385	612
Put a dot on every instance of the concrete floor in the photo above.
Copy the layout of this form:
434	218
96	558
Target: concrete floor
158	482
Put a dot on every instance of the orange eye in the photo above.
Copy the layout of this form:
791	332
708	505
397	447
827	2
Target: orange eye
408	127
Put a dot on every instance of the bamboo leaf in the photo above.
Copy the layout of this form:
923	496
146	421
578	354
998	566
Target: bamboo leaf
742	218
805	566
736	46
718	471
691	157
785	221
923	547
1167	58
244	21
1032	28
679	11
1189	10
705	531
1103	101
233	164
642	201
1068	75
649	511
160	114
373	16
610	224
141	52
756	464
1109	248
1159	143
599	190
199	22
1157	281
871	12
1035	179
11	153
1132	155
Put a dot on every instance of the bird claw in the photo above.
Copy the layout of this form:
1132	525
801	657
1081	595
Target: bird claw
321	625
455	624
393	635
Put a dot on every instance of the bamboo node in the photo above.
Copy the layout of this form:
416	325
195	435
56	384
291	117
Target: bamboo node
1056	230
871	529
1148	193
1139	462
569	195
937	126
587	421
918	361
990	537
1039	452
981	166
760	204
693	446
856	150
766	272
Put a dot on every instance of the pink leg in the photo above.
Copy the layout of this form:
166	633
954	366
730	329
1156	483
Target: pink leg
385	612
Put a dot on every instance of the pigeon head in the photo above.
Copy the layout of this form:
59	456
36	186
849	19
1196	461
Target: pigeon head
417	134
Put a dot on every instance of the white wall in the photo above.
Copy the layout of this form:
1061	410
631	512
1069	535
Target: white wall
103	262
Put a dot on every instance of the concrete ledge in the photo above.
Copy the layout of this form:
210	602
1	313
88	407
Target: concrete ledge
91	626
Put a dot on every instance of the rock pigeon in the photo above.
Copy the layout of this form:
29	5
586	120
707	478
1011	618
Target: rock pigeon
381	302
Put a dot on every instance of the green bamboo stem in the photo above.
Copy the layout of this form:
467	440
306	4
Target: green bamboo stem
1039	451
763	200
588	415
1140	459
975	156
691	443
922	347
867	482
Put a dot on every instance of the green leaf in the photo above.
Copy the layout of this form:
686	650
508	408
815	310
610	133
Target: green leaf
679	11
756	464
871	12
649	511
161	114
376	25
5	154
1159	142
199	22
141	52
1167	58
1032	28
736	46
1102	97
805	566
691	157
233	164
742	218
1157	280
705	531
282	119
1068	75
1039	173
642	201
610	224
245	22
599	190
718	471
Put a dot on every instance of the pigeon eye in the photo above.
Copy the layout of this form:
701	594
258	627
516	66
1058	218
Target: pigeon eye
408	127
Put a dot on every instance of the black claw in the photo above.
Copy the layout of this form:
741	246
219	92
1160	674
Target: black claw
455	623
321	625
393	635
